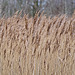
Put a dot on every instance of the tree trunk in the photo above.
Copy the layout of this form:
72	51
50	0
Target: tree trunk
0	7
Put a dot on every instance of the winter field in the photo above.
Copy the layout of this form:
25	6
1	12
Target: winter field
37	46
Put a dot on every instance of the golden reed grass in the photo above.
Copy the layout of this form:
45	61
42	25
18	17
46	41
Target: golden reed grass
37	46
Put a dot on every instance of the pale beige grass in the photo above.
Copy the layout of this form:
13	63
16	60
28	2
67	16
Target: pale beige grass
37	46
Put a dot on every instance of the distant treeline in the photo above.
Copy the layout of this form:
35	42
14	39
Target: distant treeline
50	7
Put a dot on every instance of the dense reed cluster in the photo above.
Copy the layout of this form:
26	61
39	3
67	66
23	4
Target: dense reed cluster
37	46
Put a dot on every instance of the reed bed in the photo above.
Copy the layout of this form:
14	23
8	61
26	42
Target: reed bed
37	46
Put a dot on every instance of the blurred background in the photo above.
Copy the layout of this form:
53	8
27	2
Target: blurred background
50	7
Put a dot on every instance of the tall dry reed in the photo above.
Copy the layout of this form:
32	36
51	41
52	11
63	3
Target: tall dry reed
37	46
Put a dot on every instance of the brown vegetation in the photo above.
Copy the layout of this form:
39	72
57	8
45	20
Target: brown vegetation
37	46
